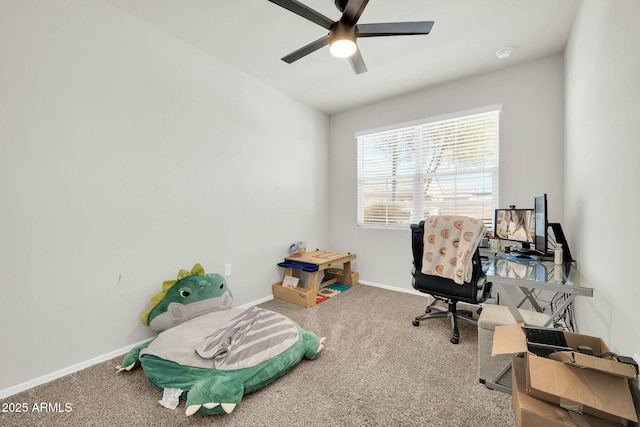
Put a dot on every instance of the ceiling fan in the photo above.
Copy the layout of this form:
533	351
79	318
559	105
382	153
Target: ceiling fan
343	33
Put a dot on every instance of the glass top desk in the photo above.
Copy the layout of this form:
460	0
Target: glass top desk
535	274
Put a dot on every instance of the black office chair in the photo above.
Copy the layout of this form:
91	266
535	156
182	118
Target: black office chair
475	292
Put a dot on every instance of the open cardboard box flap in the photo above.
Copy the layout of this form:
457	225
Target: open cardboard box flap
595	390
581	390
509	339
596	363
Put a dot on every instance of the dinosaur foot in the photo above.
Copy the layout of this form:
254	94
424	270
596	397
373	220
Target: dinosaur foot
125	368
226	407
217	394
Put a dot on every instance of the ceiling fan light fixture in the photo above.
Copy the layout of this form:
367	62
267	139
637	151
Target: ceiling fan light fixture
342	40
342	48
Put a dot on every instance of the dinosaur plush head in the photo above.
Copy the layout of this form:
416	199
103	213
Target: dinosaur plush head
192	294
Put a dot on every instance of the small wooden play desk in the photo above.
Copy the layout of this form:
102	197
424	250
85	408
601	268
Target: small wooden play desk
326	261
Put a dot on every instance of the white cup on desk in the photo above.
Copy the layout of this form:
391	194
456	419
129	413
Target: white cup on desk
494	245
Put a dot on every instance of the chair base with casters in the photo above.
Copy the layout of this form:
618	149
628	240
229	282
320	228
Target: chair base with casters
474	292
433	312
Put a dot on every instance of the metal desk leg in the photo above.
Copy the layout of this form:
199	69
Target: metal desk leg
556	314
494	385
528	295
510	305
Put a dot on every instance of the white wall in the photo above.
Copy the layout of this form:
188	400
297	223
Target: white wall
531	155
126	155
601	166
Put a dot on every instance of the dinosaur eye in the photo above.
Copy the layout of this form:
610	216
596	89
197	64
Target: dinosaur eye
185	292
221	285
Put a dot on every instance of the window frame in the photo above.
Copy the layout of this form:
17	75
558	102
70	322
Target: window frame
416	212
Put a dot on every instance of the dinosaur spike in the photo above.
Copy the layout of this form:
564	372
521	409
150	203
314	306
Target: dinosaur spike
198	269
167	284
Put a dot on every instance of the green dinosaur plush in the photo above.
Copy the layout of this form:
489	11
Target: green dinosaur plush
210	354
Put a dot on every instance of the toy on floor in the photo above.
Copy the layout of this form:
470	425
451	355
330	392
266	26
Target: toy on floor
210	354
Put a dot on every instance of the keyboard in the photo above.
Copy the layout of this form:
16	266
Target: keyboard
544	341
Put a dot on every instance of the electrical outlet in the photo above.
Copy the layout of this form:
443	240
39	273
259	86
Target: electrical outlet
227	269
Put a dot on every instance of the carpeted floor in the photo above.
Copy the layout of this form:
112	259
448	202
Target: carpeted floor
376	370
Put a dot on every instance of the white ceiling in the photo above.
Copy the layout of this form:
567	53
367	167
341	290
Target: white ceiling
252	36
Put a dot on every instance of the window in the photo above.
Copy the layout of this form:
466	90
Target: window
445	165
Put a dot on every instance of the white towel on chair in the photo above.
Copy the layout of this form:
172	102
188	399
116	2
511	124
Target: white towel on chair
449	244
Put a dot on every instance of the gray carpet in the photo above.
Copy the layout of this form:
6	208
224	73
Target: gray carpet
376	370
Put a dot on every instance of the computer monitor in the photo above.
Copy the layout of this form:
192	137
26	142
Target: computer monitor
541	224
516	225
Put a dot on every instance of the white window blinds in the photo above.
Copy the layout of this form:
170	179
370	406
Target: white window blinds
446	165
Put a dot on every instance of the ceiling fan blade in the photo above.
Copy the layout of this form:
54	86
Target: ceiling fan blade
353	10
357	63
304	51
394	29
304	11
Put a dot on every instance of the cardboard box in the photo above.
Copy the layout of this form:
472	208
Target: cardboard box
299	296
591	388
532	412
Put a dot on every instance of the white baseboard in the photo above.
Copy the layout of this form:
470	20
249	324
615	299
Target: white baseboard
256	302
83	365
393	288
66	371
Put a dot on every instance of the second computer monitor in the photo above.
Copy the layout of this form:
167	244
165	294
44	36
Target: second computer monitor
541	223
